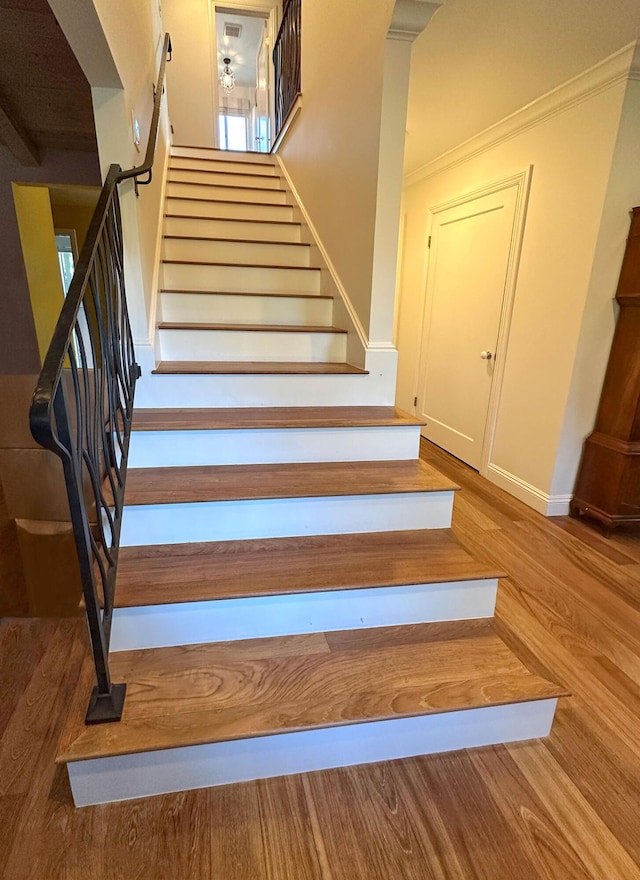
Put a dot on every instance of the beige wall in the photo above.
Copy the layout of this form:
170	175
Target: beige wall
571	153
598	321
332	150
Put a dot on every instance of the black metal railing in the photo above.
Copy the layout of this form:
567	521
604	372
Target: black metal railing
83	406
286	61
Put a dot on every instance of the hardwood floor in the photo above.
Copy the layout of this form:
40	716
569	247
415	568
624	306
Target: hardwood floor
565	808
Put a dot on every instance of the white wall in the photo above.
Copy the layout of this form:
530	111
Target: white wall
332	150
569	138
132	32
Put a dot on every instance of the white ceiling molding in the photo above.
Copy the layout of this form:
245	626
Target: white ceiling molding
618	68
410	18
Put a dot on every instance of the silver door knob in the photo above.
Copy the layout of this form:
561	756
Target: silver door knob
486	355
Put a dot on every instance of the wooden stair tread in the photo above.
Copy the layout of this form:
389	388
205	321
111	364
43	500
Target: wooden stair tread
237	220
249	293
241	265
265	368
227	185
268	159
226	202
168	573
230	418
172	485
197	694
257	328
299	244
233	171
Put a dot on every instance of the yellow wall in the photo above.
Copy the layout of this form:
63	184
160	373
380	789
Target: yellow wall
37	237
76	217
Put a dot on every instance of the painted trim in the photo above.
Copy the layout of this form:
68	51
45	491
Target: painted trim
547	505
143	774
618	68
353	315
263	617
292	115
410	18
157	258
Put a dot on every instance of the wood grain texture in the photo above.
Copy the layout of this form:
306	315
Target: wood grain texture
306	480
196	694
248	293
252	368
154	575
256	328
264	417
243	220
473	815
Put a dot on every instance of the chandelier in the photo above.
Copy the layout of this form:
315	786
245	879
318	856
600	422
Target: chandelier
227	79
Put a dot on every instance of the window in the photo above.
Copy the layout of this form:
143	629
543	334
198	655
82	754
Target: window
232	131
65	246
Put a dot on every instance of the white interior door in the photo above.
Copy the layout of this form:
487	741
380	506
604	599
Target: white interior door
468	265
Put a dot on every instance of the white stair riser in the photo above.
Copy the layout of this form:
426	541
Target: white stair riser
224	165
236	252
225	193
272	446
284	517
270	390
231	211
215	308
222	155
226	177
103	780
229	278
284	232
190	623
252	345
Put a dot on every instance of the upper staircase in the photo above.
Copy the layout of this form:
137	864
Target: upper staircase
290	593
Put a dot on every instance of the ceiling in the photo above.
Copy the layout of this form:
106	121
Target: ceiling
242	50
479	61
45	99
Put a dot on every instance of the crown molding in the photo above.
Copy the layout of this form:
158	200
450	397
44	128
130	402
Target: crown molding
410	18
618	68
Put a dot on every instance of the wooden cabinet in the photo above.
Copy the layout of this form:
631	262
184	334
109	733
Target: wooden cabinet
608	485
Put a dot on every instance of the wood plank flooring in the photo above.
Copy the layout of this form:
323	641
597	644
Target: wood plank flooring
565	808
156	574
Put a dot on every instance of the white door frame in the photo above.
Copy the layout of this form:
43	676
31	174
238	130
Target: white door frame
522	181
272	12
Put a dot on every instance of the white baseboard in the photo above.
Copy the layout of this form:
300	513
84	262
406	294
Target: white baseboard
547	505
260	617
104	780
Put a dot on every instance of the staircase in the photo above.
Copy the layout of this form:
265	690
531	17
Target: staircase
290	594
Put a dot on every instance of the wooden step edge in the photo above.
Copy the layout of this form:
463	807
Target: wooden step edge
230	171
265	418
241	265
269	710
226	185
256	368
231	202
269	163
251	328
302	244
238	220
284	294
268	158
257	482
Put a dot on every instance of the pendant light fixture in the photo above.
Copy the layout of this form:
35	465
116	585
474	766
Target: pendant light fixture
227	79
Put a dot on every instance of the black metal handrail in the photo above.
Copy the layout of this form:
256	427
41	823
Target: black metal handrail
286	61
83	406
